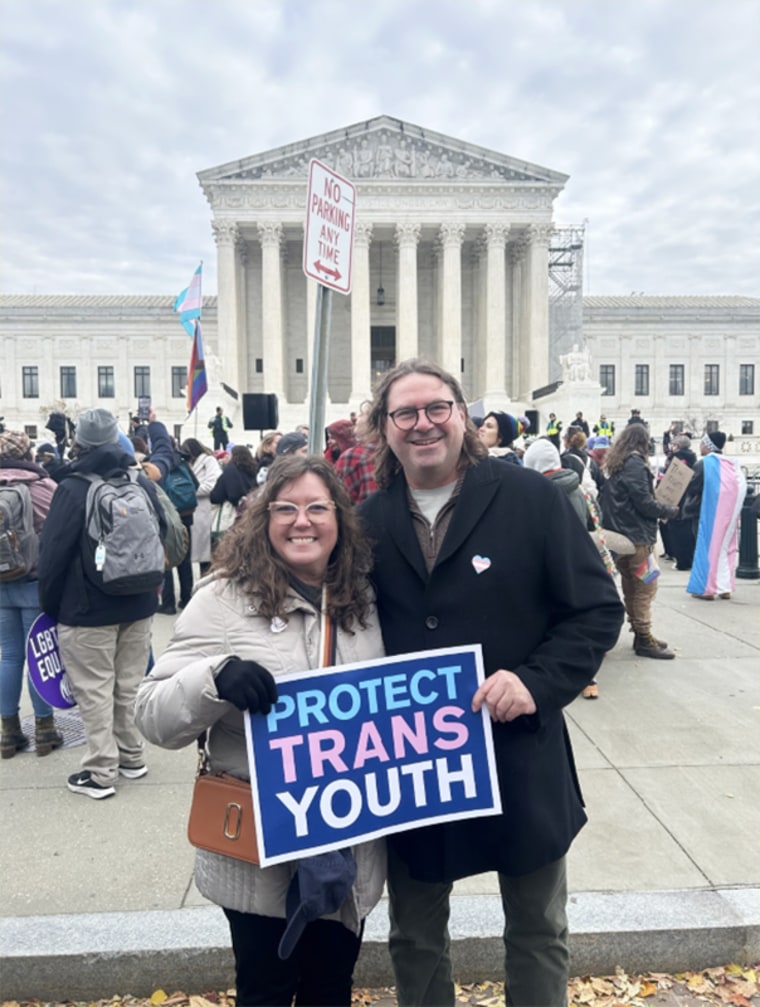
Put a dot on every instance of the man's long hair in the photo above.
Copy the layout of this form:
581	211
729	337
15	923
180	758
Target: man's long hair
245	554
387	464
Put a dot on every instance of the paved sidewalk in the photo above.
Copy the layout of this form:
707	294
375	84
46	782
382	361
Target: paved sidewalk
98	897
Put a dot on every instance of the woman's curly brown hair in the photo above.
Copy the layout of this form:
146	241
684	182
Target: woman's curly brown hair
245	554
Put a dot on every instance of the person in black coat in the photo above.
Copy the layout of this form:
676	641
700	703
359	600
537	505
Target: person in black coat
238	477
104	639
469	550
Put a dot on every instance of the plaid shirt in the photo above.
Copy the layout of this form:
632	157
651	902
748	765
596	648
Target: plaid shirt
356	467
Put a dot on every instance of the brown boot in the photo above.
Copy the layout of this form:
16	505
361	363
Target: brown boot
638	638
12	739
648	646
46	736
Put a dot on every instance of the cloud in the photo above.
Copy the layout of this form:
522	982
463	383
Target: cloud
109	109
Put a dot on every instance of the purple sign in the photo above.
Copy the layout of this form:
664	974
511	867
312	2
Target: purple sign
46	669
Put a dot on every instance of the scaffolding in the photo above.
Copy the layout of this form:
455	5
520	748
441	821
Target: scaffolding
565	294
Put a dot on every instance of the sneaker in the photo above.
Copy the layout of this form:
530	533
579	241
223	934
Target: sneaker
83	783
133	772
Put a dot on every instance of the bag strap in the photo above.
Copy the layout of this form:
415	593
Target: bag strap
328	635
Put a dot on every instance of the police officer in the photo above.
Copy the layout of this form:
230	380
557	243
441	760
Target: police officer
553	428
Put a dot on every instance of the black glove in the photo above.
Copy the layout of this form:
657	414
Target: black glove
247	686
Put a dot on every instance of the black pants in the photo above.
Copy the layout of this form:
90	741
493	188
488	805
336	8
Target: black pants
319	972
185	574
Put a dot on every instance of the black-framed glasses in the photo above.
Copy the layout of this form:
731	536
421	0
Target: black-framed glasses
317	511
406	417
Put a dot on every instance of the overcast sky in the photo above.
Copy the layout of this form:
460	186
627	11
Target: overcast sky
108	108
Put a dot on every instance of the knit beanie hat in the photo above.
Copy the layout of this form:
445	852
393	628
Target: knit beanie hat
288	444
14	444
510	427
715	440
96	427
542	456
46	448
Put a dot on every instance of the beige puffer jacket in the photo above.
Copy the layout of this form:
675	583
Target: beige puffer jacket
178	700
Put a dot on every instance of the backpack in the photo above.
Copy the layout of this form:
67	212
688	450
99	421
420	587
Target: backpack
180	485
122	551
19	542
177	540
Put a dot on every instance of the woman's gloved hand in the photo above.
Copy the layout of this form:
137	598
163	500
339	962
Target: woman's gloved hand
246	685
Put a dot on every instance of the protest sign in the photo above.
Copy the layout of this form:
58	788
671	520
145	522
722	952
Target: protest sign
360	751
674	483
46	671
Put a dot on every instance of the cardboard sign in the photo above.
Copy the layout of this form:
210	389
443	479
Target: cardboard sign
46	671
360	751
673	484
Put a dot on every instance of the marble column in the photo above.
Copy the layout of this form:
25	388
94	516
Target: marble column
243	384
537	318
451	298
517	251
228	338
361	339
270	235
496	306
407	237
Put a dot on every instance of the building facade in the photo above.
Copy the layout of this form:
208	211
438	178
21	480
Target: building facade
453	257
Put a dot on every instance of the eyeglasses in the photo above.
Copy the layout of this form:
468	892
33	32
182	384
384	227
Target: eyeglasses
407	417
318	511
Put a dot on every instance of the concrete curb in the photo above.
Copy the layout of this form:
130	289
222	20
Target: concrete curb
95	955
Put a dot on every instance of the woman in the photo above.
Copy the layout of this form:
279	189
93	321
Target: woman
20	604
238	477
630	508
258	618
207	471
499	431
678	535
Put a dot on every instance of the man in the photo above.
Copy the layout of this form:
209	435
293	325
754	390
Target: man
581	424
636	417
104	638
553	428
451	570
604	428
219	425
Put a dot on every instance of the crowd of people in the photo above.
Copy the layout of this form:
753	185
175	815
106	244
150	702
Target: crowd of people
394	535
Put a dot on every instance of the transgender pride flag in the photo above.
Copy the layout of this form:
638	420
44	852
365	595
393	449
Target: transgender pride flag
189	302
197	384
714	568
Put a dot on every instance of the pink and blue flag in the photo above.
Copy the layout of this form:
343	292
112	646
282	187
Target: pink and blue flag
197	383
714	567
189	302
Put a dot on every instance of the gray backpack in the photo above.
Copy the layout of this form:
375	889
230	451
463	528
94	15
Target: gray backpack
19	542
122	552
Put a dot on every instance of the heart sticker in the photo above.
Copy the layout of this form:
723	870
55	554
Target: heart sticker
480	563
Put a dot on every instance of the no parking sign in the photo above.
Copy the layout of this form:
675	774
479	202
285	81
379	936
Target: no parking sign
46	669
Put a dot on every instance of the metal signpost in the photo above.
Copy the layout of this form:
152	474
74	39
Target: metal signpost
327	256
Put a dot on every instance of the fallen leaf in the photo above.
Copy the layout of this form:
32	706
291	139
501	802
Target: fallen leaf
158	996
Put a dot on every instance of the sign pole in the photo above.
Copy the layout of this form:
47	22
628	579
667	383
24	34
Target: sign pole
319	370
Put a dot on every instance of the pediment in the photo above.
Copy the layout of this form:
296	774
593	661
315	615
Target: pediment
385	150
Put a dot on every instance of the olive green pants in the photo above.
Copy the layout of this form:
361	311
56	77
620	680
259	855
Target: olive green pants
535	937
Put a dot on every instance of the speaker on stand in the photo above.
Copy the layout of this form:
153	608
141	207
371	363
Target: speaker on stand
260	411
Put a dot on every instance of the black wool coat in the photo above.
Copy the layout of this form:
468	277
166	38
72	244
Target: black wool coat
545	608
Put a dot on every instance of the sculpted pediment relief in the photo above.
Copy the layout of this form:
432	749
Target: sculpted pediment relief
386	149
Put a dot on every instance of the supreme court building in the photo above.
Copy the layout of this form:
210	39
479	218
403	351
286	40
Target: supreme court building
456	258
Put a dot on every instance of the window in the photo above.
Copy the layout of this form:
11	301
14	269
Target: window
142	382
178	432
179	382
259	365
30	381
607	378
712	379
299	365
106	389
746	379
641	386
748	427
30	429
68	382
675	386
